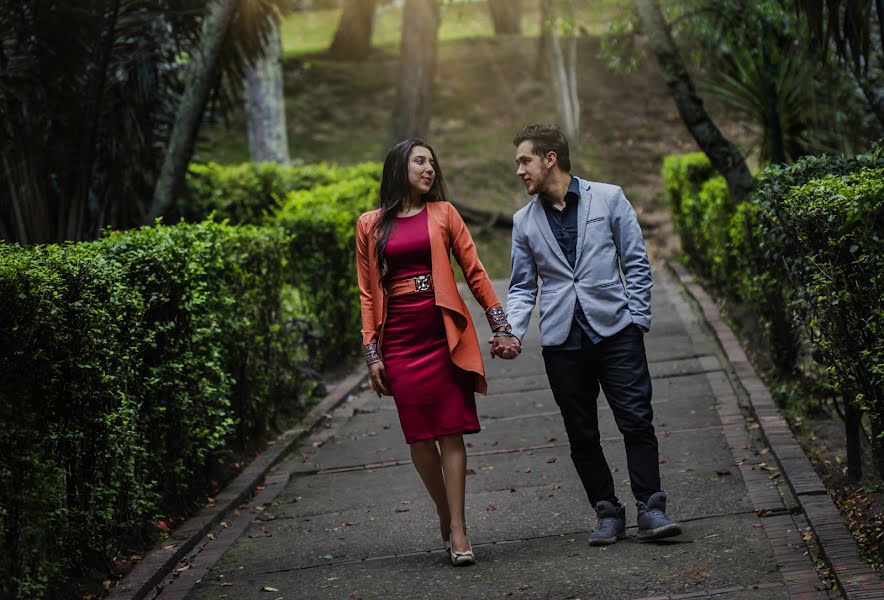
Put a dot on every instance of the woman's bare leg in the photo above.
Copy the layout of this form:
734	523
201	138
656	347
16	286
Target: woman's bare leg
454	466
425	457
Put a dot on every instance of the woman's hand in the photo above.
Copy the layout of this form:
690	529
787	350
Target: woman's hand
506	347
378	376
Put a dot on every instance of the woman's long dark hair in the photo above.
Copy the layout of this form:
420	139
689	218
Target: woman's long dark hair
395	189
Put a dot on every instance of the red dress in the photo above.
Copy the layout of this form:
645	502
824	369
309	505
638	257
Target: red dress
434	397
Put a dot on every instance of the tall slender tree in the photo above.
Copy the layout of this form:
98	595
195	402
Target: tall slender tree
561	67
722	153
506	15
265	105
352	39
417	70
89	93
202	73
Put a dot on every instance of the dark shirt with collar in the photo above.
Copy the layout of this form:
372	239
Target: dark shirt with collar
564	225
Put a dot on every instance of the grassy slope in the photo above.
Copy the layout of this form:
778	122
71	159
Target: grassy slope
485	92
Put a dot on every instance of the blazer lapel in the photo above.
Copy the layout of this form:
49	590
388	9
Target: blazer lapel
542	222
582	217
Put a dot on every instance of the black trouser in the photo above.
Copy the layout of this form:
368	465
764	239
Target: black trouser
620	366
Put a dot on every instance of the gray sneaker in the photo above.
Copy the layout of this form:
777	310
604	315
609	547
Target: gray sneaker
611	526
653	524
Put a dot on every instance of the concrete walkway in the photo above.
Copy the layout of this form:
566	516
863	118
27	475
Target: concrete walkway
346	517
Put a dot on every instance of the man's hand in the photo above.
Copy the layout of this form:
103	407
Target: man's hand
378	378
505	347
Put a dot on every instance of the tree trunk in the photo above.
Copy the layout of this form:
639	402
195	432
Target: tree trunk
563	76
722	153
777	149
873	94
878	445
265	105
353	37
202	72
417	69
506	16
540	66
852	426
483	217
879	4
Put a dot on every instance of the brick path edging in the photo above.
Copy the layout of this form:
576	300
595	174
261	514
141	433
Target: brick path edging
162	559
854	578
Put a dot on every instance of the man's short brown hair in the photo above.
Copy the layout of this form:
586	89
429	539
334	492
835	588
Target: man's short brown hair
547	138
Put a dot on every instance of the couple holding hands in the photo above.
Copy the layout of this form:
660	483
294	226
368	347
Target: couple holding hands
583	240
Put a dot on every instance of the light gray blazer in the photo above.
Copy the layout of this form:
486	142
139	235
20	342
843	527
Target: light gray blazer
611	276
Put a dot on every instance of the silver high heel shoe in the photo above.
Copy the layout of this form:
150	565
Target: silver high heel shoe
460	559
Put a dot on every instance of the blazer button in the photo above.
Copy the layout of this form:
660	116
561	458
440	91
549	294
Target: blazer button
576	280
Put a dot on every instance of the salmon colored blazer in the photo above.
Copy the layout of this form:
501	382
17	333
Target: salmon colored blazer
448	234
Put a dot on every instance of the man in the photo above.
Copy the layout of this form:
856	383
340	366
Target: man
584	241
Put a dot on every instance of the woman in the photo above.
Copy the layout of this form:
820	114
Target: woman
418	338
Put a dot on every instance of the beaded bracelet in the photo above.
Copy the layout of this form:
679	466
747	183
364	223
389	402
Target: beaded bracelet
496	317
370	353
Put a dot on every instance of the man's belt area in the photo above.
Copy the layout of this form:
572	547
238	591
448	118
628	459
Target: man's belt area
421	283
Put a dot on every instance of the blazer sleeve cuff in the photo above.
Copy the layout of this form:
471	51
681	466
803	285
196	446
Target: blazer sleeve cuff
643	322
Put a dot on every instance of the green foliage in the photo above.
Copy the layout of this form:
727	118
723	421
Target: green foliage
806	254
245	193
130	367
683	176
317	205
840	224
89	94
322	226
778	242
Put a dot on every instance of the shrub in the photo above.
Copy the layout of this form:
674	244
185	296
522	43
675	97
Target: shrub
128	367
779	246
245	193
683	176
322	226
805	253
839	221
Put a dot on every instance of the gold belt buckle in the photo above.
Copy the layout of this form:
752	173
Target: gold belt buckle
421	283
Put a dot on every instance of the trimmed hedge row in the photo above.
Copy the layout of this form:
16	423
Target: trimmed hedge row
322	226
805	253
129	368
839	221
246	193
133	366
317	205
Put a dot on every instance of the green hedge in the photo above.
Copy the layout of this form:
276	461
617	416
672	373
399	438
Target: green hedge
317	205
129	367
683	176
322	226
133	366
245	193
805	254
839	221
